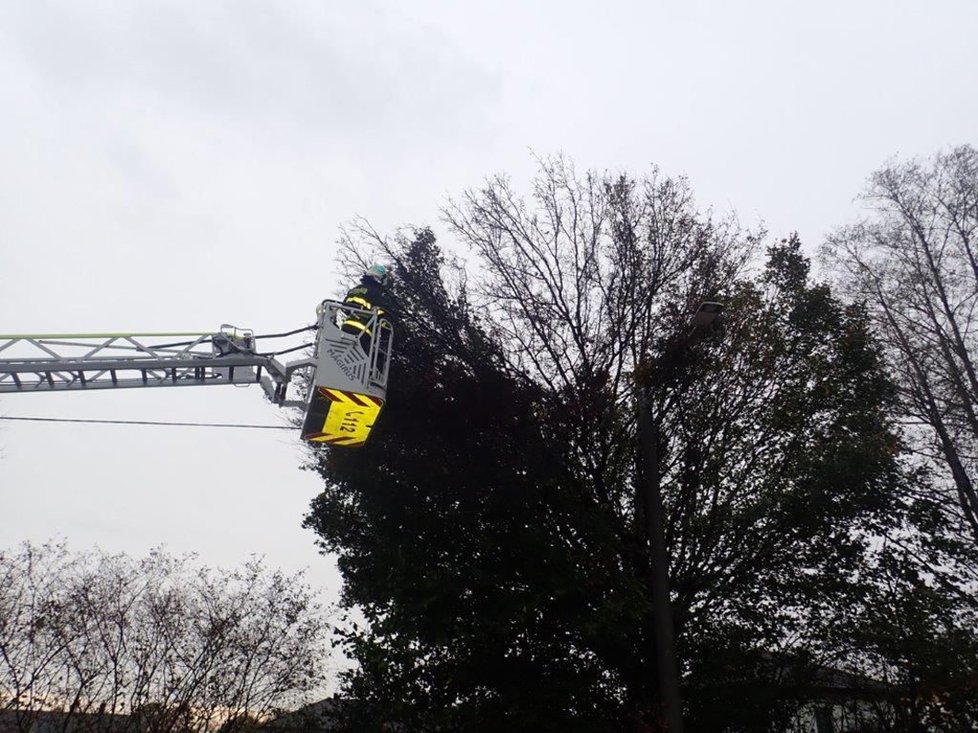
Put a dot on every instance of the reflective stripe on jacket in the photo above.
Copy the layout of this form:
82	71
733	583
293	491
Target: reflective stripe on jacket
368	295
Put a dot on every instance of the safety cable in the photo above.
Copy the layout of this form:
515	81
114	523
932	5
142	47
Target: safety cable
287	333
260	336
287	351
149	422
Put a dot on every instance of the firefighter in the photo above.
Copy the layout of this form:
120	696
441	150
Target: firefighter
368	295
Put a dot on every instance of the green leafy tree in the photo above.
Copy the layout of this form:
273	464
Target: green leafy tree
491	533
922	645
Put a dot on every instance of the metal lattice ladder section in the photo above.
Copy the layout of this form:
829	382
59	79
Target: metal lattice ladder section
64	362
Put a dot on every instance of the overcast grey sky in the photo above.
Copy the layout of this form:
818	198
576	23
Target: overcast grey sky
177	165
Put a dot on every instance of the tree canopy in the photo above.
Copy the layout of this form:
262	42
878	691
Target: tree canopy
491	532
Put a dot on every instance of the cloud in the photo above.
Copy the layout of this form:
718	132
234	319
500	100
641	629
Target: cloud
335	69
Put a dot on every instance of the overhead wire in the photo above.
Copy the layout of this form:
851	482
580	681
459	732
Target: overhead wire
147	422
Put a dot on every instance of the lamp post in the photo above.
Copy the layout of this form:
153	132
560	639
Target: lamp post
655	373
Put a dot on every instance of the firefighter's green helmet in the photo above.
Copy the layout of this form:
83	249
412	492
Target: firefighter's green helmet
378	272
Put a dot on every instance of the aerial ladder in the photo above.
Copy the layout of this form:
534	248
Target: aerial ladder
344	378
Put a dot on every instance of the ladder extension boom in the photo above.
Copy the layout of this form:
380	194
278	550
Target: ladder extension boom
346	373
60	362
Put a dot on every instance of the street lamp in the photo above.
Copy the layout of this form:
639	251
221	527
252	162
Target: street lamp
706	314
651	490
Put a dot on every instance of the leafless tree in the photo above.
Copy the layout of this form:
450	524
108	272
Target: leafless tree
582	276
30	656
581	282
155	643
914	261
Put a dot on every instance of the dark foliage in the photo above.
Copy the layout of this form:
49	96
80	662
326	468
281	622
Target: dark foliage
489	532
